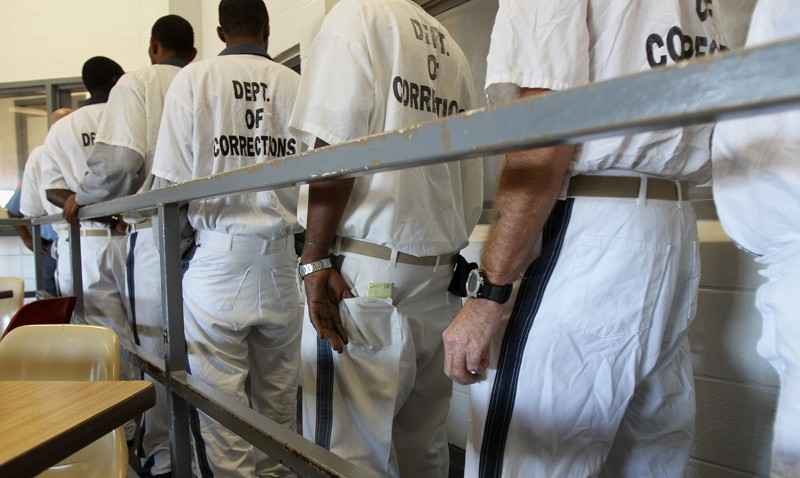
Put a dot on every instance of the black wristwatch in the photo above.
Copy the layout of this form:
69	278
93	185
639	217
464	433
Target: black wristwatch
478	287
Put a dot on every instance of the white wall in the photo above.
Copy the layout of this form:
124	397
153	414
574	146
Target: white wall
52	38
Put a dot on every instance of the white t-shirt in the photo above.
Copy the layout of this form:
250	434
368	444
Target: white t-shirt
568	43
381	66
33	198
757	159
226	113
133	112
69	143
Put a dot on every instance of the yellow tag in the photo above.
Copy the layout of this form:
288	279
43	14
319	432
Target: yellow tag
379	290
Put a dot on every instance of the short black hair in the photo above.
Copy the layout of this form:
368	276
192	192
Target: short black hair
101	73
243	17
174	33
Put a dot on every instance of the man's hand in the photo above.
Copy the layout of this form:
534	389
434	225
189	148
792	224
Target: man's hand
71	209
28	241
324	290
467	339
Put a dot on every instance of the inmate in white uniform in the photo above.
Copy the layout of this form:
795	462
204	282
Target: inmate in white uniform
242	306
69	143
120	165
592	376
34	203
383	403
757	193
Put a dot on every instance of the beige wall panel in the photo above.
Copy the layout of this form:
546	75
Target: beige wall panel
724	337
734	423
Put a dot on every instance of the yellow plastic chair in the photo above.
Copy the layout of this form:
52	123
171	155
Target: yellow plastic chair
10	306
70	353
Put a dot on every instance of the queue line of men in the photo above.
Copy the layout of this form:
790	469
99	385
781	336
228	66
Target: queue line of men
589	375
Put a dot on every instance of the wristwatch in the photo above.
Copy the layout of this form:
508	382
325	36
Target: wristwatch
307	269
478	287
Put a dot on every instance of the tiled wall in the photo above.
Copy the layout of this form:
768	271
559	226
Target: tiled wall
736	389
16	261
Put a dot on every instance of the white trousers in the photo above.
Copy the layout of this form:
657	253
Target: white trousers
103	274
383	403
242	321
143	287
592	376
778	302
63	267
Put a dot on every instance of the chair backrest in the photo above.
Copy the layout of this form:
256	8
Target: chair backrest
70	353
10	306
60	352
55	311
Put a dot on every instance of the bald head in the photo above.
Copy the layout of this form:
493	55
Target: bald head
58	114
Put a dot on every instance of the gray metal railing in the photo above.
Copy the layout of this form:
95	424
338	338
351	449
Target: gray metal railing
740	83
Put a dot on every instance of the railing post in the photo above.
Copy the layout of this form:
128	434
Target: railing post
175	361
38	257
77	271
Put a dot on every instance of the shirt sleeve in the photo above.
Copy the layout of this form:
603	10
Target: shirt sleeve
771	21
174	159
124	120
112	171
52	176
540	44
336	96
31	198
13	204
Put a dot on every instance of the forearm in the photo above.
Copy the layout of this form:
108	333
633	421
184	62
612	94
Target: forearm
25	235
326	204
327	201
113	171
58	197
530	184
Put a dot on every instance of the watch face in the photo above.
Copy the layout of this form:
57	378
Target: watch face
474	282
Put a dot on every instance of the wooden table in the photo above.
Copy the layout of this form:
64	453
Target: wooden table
42	423
6	294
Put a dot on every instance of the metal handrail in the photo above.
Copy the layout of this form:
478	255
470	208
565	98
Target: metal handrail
740	83
709	89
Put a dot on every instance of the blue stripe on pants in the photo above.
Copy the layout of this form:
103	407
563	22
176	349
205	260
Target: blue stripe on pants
504	390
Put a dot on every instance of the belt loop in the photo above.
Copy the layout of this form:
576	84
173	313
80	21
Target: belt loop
265	247
393	258
337	246
642	199
436	265
680	193
229	241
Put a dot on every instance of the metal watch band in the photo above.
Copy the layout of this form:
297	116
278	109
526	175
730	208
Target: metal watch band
307	269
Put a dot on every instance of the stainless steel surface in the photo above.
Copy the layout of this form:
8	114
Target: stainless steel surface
75	266
176	359
38	258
